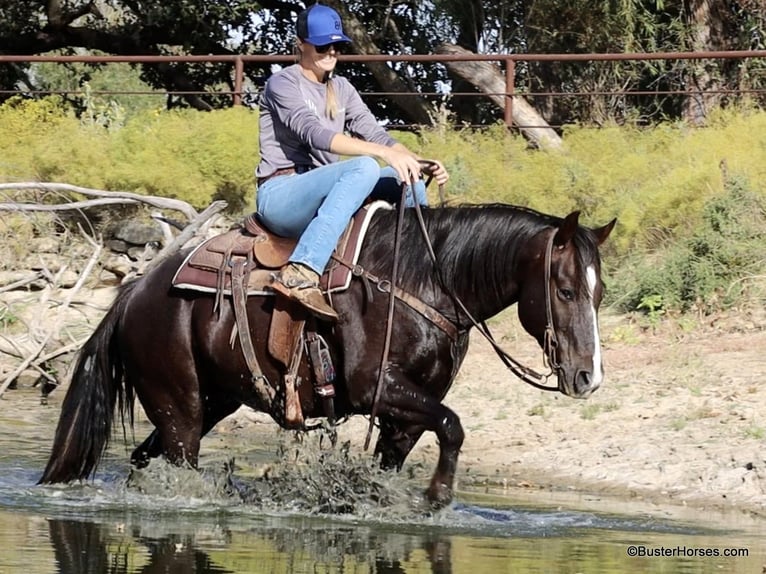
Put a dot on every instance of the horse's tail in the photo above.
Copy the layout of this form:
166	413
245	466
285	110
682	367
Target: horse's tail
85	425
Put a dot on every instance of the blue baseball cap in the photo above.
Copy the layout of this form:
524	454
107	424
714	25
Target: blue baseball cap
320	25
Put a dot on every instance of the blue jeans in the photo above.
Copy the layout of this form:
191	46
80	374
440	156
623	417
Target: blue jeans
317	205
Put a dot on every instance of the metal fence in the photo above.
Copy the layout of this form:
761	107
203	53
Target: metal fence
508	61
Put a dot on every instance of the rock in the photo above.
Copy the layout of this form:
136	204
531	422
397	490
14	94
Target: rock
137	232
40	261
68	279
27	379
44	245
117	245
8	277
118	265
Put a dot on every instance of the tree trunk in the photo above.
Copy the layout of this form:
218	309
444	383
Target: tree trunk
490	80
707	22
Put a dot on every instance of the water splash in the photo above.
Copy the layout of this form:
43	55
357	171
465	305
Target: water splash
315	477
308	475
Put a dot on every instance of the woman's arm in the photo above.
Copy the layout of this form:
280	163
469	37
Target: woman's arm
397	156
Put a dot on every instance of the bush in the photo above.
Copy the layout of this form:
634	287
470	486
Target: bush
193	156
708	271
681	241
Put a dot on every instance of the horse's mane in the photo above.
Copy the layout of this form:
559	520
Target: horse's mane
475	245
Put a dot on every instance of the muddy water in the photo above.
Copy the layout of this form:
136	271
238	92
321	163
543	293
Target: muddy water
301	506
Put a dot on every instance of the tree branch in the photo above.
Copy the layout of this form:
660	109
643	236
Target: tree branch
488	78
413	105
188	232
114	197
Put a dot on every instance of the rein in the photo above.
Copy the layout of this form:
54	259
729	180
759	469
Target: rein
550	343
526	374
390	317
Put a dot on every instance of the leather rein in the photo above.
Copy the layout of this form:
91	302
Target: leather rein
526	374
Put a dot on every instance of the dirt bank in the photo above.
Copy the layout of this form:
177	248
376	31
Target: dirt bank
680	419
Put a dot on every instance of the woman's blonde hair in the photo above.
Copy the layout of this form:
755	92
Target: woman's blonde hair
331	98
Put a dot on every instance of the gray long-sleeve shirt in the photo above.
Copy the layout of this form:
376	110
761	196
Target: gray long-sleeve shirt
294	129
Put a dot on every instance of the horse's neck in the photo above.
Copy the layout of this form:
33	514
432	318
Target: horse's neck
487	277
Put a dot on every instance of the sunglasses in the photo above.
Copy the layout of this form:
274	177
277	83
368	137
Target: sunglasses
337	46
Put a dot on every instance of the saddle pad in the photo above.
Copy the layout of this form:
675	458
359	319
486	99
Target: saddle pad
200	269
338	277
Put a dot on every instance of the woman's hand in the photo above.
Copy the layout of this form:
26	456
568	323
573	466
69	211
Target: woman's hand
435	169
406	164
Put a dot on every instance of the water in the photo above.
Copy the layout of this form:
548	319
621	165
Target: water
287	507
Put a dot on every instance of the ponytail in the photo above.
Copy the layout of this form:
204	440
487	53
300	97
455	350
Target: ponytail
331	99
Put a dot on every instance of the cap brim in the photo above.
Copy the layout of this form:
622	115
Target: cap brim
327	39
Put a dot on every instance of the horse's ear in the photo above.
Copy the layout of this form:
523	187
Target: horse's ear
567	229
602	233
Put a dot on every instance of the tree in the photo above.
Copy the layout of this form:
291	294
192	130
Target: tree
149	27
130	27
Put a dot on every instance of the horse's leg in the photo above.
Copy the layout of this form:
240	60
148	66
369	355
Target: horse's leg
407	403
147	450
216	409
395	441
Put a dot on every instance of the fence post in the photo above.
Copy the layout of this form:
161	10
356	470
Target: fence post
239	72
510	74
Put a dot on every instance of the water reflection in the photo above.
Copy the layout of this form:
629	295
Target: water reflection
184	545
83	547
87	547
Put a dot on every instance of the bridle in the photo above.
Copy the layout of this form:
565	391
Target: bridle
550	341
526	374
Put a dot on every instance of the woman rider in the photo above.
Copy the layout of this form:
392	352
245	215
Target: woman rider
308	118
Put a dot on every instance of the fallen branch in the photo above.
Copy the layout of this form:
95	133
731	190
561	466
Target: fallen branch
21	282
57	324
110	197
186	235
24	364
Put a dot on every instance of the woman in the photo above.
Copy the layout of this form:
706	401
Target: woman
304	190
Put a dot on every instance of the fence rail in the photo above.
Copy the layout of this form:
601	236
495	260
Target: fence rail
508	61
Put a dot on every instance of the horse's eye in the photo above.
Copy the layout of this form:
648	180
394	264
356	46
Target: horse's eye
566	294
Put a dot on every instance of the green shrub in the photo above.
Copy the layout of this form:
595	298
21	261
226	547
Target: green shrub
708	270
193	156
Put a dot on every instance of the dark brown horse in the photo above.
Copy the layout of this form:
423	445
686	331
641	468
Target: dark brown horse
170	349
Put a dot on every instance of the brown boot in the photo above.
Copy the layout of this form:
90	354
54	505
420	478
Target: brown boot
301	284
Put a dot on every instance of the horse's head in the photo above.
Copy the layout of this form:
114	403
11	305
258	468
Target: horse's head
559	303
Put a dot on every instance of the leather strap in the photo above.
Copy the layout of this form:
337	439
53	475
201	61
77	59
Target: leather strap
240	273
384	286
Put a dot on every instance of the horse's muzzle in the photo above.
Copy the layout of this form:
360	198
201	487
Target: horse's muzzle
581	385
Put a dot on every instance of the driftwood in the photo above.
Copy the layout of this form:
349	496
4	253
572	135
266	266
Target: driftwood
52	332
488	78
198	224
109	198
43	333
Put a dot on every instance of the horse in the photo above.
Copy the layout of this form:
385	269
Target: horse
168	347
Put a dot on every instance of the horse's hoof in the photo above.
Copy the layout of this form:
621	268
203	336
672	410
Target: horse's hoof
439	496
